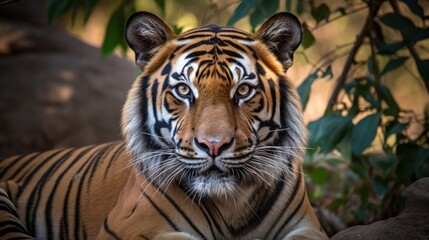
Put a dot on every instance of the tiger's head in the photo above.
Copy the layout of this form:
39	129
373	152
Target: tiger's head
212	110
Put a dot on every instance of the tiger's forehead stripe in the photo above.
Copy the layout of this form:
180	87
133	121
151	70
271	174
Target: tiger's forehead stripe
213	52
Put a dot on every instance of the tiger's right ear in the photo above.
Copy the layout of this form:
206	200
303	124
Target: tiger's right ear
145	34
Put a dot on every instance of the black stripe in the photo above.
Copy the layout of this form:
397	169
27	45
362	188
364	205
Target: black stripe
48	209
184	215
187	37
154	92
133	210
15	226
144	104
19	238
269	199
234	45
247	38
291	216
35	195
113	159
273	96
35	170
64	221
143	237
297	222
100	157
197	44
164	215
210	222
109	231
284	90
291	198
79	193
14	162
9	209
232	53
195	54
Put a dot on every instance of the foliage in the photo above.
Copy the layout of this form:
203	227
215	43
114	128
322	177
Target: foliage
367	156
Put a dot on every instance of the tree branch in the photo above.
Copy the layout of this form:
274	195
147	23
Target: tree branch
350	59
341	80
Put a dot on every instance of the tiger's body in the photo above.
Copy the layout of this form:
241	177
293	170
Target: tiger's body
72	197
213	145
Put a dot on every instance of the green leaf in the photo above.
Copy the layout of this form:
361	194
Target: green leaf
411	157
392	48
380	187
74	8
393	109
344	145
299	7
364	133
114	32
361	214
341	10
370	66
305	88
418	35
423	67
242	10
55	8
161	5
327	131
321	13
399	22
363	190
263	11
415	7
384	163
176	29
89	6
394	127
369	97
307	38
423	162
360	167
288	5
318	175
393	64
328	72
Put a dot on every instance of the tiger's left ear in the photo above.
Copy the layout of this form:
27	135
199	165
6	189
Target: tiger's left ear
282	34
146	34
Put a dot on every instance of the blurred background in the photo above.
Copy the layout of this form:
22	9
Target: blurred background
362	72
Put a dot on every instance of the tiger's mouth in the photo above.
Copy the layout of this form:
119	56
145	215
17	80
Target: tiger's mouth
214	179
213	171
211	183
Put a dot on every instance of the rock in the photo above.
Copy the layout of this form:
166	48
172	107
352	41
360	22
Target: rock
412	223
55	90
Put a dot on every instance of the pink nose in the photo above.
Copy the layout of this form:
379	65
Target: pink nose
213	147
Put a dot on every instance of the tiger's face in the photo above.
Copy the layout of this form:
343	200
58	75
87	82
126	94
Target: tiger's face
213	111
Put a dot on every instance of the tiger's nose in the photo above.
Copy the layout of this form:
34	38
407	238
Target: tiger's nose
213	148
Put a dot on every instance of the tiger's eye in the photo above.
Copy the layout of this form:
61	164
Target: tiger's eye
183	90
243	90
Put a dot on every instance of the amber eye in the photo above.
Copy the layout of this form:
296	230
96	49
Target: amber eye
183	90
244	90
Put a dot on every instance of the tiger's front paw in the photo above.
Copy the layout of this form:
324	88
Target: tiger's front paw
174	236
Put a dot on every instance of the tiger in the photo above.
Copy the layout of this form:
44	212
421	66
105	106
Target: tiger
11	227
212	148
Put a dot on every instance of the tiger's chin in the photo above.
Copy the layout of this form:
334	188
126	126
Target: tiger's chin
212	185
